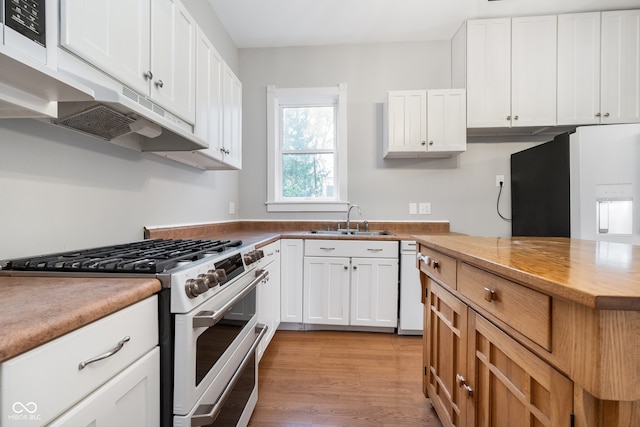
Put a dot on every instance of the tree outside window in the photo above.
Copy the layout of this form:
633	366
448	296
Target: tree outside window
308	146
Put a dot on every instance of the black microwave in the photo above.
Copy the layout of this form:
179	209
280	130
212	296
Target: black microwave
27	18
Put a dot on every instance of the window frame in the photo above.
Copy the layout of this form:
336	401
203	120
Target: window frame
286	97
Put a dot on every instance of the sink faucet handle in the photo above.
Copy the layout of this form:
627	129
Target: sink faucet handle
366	225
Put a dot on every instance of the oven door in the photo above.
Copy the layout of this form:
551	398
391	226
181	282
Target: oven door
207	337
231	398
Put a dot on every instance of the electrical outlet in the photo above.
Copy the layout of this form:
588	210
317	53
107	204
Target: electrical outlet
232	208
413	208
424	208
499	179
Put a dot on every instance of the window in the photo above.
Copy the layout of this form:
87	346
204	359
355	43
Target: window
307	155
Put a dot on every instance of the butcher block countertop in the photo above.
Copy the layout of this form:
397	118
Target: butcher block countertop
36	310
600	275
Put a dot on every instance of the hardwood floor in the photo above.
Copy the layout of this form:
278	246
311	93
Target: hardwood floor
336	378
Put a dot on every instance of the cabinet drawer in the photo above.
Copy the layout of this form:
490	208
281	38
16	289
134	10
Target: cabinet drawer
438	266
525	310
48	379
271	253
351	248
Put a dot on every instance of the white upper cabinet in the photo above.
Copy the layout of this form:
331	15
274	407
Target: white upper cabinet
620	67
579	68
218	112
511	72
446	121
113	35
148	46
599	68
405	122
173	57
488	62
424	123
209	96
533	71
231	119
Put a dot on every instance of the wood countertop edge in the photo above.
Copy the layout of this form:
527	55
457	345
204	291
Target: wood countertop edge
547	286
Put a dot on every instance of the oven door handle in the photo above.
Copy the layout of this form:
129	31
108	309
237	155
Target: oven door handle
210	318
207	414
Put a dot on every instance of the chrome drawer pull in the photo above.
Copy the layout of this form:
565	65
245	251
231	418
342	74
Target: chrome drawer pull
328	249
423	258
374	250
489	295
109	353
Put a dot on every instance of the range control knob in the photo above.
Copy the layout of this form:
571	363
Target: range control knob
216	277
195	287
253	256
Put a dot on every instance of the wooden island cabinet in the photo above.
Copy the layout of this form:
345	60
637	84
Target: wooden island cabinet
531	331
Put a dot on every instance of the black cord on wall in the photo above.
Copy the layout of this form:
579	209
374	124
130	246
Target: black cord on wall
498	205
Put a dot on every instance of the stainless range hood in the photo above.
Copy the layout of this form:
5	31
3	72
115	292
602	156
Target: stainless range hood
121	115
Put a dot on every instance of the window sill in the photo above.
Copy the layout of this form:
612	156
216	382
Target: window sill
307	206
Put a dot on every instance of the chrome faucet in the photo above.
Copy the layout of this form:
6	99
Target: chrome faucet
349	214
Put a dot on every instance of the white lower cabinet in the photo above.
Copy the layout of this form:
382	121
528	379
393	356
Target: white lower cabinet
269	295
351	283
131	398
374	292
69	379
326	290
291	260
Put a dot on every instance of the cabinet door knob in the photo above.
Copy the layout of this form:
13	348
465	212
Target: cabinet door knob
430	142
489	294
606	114
508	117
346	268
159	83
424	142
515	117
148	75
355	267
463	383
598	114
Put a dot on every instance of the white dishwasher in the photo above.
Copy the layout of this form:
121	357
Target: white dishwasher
411	307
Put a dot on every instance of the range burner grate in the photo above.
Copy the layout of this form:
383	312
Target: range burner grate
145	256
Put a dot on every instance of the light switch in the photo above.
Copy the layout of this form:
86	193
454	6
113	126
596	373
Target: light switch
413	208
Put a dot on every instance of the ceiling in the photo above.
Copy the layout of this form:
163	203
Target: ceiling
278	23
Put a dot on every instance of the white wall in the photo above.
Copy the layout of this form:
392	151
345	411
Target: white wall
61	190
461	189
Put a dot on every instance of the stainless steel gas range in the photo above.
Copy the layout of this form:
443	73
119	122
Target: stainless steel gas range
208	321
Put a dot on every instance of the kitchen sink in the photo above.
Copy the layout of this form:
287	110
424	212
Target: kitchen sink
350	233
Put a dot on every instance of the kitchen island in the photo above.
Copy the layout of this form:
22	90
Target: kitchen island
531	330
